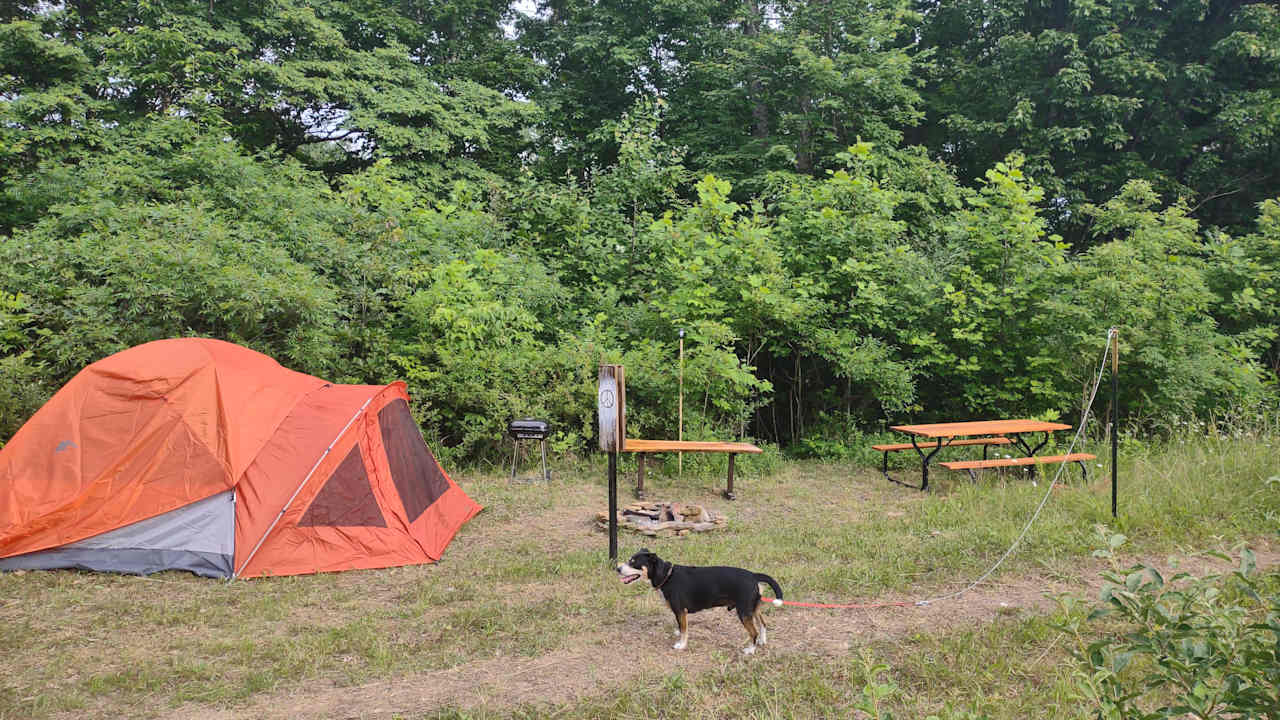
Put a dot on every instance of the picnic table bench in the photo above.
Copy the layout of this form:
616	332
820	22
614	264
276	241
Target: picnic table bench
985	433
971	465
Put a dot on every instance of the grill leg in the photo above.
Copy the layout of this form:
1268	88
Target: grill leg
546	476
515	448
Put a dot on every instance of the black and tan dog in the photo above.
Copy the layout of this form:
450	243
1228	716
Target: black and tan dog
688	589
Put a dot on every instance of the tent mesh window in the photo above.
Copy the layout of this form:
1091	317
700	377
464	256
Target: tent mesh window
414	469
347	498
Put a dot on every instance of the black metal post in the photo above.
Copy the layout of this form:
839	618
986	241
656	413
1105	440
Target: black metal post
1115	412
613	507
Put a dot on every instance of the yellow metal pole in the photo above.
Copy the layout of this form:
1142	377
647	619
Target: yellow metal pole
680	429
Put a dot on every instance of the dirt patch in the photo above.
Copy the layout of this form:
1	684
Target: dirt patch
593	663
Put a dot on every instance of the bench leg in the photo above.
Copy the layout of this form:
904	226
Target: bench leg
639	476
728	493
972	475
1084	474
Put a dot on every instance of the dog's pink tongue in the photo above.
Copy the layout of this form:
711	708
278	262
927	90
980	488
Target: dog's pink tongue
629	579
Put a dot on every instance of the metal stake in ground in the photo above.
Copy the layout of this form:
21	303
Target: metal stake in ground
1115	411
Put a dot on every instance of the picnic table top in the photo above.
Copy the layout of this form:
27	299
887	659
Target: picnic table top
980	427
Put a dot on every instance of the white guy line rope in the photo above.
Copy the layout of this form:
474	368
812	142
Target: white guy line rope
1084	418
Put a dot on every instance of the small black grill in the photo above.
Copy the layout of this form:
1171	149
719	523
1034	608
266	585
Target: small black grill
529	429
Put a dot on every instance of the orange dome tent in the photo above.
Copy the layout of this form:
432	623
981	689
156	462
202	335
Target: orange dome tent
201	455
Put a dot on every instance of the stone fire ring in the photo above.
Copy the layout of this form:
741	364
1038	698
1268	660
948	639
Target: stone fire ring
663	519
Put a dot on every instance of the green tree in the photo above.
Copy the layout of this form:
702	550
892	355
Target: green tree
751	87
1148	276
787	86
325	81
1095	93
1244	275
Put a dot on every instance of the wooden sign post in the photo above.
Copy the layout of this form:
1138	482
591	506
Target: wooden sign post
610	404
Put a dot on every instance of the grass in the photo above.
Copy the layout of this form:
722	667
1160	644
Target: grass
528	579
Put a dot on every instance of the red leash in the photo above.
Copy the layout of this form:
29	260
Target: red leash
775	601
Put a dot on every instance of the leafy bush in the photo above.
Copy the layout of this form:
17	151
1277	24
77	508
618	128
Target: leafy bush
1204	647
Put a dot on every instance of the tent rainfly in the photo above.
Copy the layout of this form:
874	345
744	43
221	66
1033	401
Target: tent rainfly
200	455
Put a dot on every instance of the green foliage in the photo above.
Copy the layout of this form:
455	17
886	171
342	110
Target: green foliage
1204	647
489	205
1096	93
1003	264
1152	282
143	245
19	375
1243	274
786	87
753	88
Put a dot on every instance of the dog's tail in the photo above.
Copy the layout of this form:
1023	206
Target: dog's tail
777	591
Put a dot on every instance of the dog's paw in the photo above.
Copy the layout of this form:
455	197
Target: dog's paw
749	650
678	646
777	602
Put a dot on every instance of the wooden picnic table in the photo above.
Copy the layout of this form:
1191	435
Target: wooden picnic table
980	432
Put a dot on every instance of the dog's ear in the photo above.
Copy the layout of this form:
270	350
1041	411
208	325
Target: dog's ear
644	551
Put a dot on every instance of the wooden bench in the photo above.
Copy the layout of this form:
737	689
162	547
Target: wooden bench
644	447
614	427
922	447
970	466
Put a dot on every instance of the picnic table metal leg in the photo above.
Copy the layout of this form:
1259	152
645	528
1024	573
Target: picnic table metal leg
639	476
728	493
1084	474
924	464
1030	451
884	470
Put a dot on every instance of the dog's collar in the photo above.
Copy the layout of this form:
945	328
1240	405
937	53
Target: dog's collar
670	571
